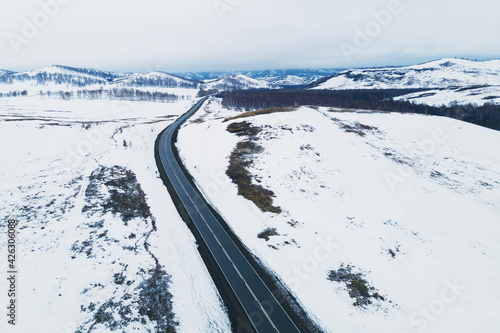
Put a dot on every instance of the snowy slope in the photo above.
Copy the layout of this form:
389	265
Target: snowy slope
237	82
291	80
160	80
55	79
436	74
78	82
411	202
291	77
81	266
287	77
62	74
4	74
474	95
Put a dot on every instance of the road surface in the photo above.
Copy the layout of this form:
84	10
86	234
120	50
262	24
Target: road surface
260	305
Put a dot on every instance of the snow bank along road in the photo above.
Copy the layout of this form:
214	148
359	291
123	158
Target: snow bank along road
261	307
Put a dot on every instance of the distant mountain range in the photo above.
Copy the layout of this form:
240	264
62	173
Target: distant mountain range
444	73
71	77
287	77
451	80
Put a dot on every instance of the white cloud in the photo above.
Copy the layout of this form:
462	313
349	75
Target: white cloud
190	35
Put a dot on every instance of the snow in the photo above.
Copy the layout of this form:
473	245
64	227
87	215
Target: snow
43	185
354	186
54	69
33	87
72	80
291	80
437	74
237	81
438	97
159	77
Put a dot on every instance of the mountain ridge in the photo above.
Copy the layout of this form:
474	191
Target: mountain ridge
442	73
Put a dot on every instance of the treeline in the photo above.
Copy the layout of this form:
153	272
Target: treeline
164	82
487	115
14	94
119	94
231	84
57	78
203	93
108	76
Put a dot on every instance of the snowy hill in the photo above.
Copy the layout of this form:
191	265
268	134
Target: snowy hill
71	82
442	73
4	74
56	78
160	80
56	74
237	82
292	77
291	80
380	222
479	95
288	77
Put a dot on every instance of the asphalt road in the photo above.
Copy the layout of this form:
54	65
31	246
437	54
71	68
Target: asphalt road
260	305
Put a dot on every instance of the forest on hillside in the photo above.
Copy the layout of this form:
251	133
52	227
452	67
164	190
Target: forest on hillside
487	115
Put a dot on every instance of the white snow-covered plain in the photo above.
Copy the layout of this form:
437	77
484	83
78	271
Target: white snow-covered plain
89	271
410	202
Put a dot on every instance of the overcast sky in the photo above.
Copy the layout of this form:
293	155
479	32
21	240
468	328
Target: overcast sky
203	35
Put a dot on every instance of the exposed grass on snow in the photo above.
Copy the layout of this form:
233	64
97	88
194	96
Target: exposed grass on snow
155	301
357	128
266	234
125	198
260	112
151	299
239	162
359	289
243	129
138	299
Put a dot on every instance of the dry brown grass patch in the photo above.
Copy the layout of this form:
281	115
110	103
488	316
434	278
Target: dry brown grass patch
261	112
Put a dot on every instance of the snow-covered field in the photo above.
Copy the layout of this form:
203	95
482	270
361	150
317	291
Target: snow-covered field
82	257
410	204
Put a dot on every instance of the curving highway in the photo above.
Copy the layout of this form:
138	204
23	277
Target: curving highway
261	307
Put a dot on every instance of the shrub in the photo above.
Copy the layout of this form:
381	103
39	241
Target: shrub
266	234
358	288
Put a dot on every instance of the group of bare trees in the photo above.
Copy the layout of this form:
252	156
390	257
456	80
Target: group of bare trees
14	94
165	81
117	94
